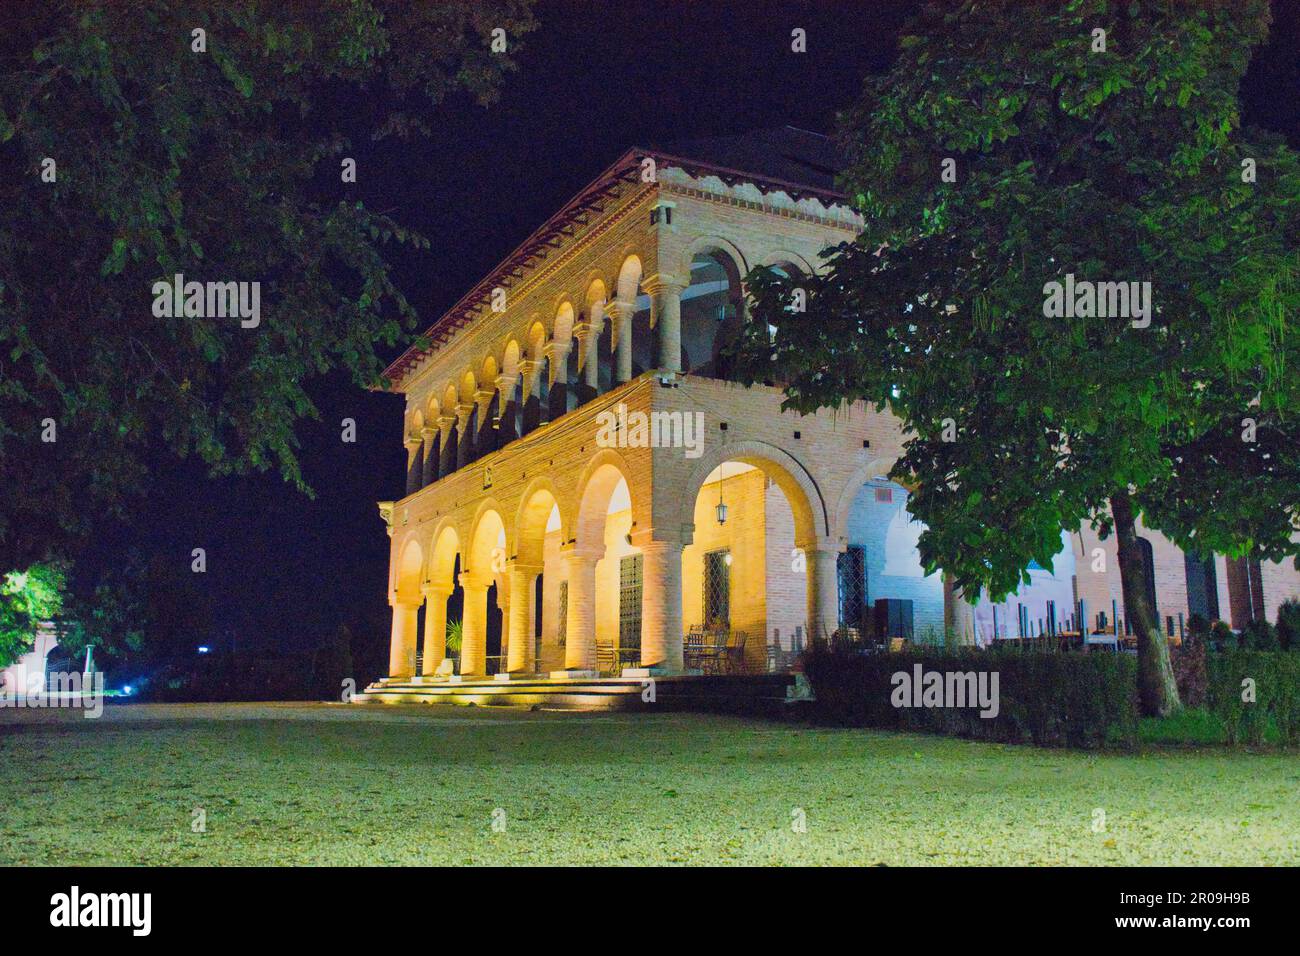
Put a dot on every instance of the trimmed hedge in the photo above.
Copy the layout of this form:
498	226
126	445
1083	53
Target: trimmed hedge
1052	700
1276	676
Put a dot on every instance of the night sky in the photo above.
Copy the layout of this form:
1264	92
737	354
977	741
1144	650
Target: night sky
594	80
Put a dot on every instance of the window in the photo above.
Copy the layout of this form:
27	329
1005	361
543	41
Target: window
629	602
717	588
561	628
1202	587
852	568
885	496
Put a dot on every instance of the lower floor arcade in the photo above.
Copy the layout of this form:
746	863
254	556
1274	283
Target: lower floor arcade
570	553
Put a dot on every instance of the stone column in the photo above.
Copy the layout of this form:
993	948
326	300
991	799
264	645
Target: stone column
823	591
958	613
591	346
532	414
473	642
621	316
413	444
557	356
435	627
464	440
523	612
506	430
666	313
580	626
401	649
429	473
485	439
661	605
446	453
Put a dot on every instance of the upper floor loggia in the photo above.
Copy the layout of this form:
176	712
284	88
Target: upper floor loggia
641	273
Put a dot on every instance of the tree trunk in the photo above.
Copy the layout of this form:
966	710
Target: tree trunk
1157	688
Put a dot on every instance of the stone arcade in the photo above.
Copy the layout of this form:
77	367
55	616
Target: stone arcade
566	556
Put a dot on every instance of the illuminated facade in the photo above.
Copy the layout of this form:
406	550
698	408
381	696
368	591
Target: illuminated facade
571	434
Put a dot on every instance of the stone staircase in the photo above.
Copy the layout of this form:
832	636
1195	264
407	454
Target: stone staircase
761	694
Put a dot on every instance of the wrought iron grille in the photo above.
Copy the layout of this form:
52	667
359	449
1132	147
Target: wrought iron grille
629	602
717	589
562	627
852	573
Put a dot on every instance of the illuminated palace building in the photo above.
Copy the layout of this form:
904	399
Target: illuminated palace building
587	492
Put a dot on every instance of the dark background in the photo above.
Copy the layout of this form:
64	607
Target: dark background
284	570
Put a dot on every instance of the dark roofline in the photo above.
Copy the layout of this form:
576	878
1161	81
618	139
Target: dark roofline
551	233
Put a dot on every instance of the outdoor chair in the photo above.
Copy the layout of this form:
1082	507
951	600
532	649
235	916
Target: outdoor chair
735	653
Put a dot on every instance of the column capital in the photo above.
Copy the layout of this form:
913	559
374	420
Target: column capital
821	544
412	443
386	513
664	282
514	564
463	411
428	432
571	552
505	383
555	348
446	423
436	590
471	581
620	307
659	540
483	396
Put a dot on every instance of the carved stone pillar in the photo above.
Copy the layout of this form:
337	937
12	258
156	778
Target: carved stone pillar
666	315
621	313
429	471
506	430
413	445
435	627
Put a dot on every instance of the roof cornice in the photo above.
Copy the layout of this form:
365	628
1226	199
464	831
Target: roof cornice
552	233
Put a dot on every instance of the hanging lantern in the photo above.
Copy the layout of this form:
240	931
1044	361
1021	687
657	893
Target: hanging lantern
721	509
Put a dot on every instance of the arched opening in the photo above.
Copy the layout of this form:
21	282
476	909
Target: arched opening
481	582
711	314
442	601
447	453
406	610
746	573
602	578
884	591
537	550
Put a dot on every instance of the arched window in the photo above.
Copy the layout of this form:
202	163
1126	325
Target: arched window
711	312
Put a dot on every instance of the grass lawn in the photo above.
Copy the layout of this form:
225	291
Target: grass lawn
337	784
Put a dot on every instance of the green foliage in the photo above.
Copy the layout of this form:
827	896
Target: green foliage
221	166
1073	700
1288	625
455	631
1260	636
1116	166
1276	689
143	611
28	599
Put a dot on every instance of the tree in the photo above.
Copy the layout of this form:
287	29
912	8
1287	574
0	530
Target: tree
1001	159
28	599
209	141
